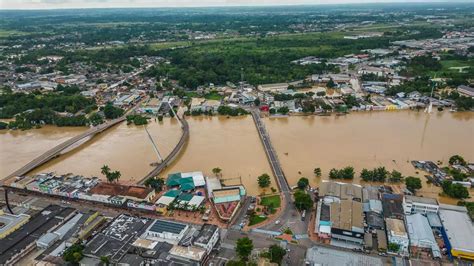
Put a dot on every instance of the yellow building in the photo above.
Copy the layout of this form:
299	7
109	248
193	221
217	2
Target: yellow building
9	223
458	232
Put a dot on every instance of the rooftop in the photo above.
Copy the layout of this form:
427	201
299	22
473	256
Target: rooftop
420	232
459	229
161	226
328	256
340	190
396	226
346	215
206	233
114	240
191	253
392	205
7	221
421	200
104	188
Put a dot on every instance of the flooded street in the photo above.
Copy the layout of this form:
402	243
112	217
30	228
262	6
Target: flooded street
361	140
368	140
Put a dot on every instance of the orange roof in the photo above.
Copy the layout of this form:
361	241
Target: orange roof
121	190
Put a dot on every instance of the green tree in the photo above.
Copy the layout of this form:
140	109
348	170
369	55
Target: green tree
115	176
393	247
3	125
244	247
344	173
264	180
112	112
257	101
303	183
155	183
456	191
303	201
105	170
217	171
96	119
73	254
105	260
378	174
283	110
395	176
457	160
317	172
331	84
276	254
413	183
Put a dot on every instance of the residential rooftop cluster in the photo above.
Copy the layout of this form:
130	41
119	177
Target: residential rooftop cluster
374	218
190	191
134	241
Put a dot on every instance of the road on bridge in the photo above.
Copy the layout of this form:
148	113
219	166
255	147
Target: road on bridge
289	216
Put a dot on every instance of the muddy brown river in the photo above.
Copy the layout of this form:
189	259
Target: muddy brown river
362	140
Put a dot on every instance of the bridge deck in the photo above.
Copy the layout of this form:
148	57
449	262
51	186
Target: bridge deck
270	152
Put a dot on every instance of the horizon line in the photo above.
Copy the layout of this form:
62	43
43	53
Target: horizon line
373	2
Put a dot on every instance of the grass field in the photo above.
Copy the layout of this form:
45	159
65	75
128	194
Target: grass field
271	200
256	219
8	33
213	96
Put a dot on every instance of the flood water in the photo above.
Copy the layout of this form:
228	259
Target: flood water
126	148
18	148
370	139
361	140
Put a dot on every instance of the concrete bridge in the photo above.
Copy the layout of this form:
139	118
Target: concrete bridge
270	152
289	216
56	151
173	154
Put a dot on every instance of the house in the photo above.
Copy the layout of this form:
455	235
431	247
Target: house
413	204
466	90
398	235
275	87
414	95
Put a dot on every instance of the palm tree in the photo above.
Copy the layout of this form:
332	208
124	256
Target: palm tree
105	169
186	208
117	175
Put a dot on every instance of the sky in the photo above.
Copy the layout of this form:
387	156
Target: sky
54	4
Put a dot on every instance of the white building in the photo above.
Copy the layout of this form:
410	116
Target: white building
414	204
208	237
166	231
397	234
